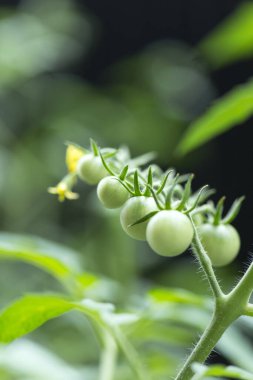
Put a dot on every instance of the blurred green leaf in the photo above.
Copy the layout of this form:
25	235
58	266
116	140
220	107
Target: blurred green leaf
59	261
232	40
33	41
31	361
236	348
30	312
231	372
179	296
228	111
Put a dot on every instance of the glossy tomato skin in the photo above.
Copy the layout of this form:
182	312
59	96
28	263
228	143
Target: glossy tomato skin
90	169
169	233
111	193
221	242
134	209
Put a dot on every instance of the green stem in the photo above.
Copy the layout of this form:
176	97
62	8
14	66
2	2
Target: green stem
131	355
243	290
221	319
249	310
108	358
218	325
227	309
206	264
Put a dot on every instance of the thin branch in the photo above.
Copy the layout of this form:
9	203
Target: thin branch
108	358
206	264
131	354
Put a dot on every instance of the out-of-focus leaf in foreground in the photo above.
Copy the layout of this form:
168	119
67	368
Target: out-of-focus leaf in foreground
59	261
179	296
28	360
33	41
230	372
28	313
232	40
227	112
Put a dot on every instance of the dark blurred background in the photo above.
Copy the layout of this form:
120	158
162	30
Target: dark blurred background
131	73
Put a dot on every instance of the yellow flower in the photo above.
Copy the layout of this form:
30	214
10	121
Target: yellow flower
73	155
64	188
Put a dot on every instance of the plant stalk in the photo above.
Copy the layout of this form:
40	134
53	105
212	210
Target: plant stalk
220	321
108	358
206	264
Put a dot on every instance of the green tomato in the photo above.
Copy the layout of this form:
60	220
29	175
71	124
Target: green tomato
91	169
134	209
111	193
169	233
221	242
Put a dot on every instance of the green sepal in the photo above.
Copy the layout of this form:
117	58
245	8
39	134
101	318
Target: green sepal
110	171
183	178
219	211
147	192
204	194
155	198
109	153
169	195
186	193
94	147
123	173
164	181
125	186
234	211
144	218
137	190
197	199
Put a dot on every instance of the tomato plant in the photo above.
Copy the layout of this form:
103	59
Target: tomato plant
162	208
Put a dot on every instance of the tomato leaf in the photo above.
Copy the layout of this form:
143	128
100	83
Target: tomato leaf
230	372
33	310
230	110
232	39
59	261
171	295
30	312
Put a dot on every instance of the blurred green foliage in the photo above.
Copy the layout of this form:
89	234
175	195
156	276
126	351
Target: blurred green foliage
146	102
232	40
231	110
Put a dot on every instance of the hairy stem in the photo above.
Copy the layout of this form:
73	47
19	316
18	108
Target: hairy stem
220	321
206	264
244	288
218	325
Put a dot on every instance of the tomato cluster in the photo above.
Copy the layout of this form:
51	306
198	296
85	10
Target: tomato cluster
155	206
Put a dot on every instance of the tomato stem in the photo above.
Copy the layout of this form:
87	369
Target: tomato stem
227	309
108	358
131	354
206	264
220	321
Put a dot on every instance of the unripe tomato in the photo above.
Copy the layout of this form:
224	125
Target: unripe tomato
169	233
221	242
90	169
134	209
111	193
